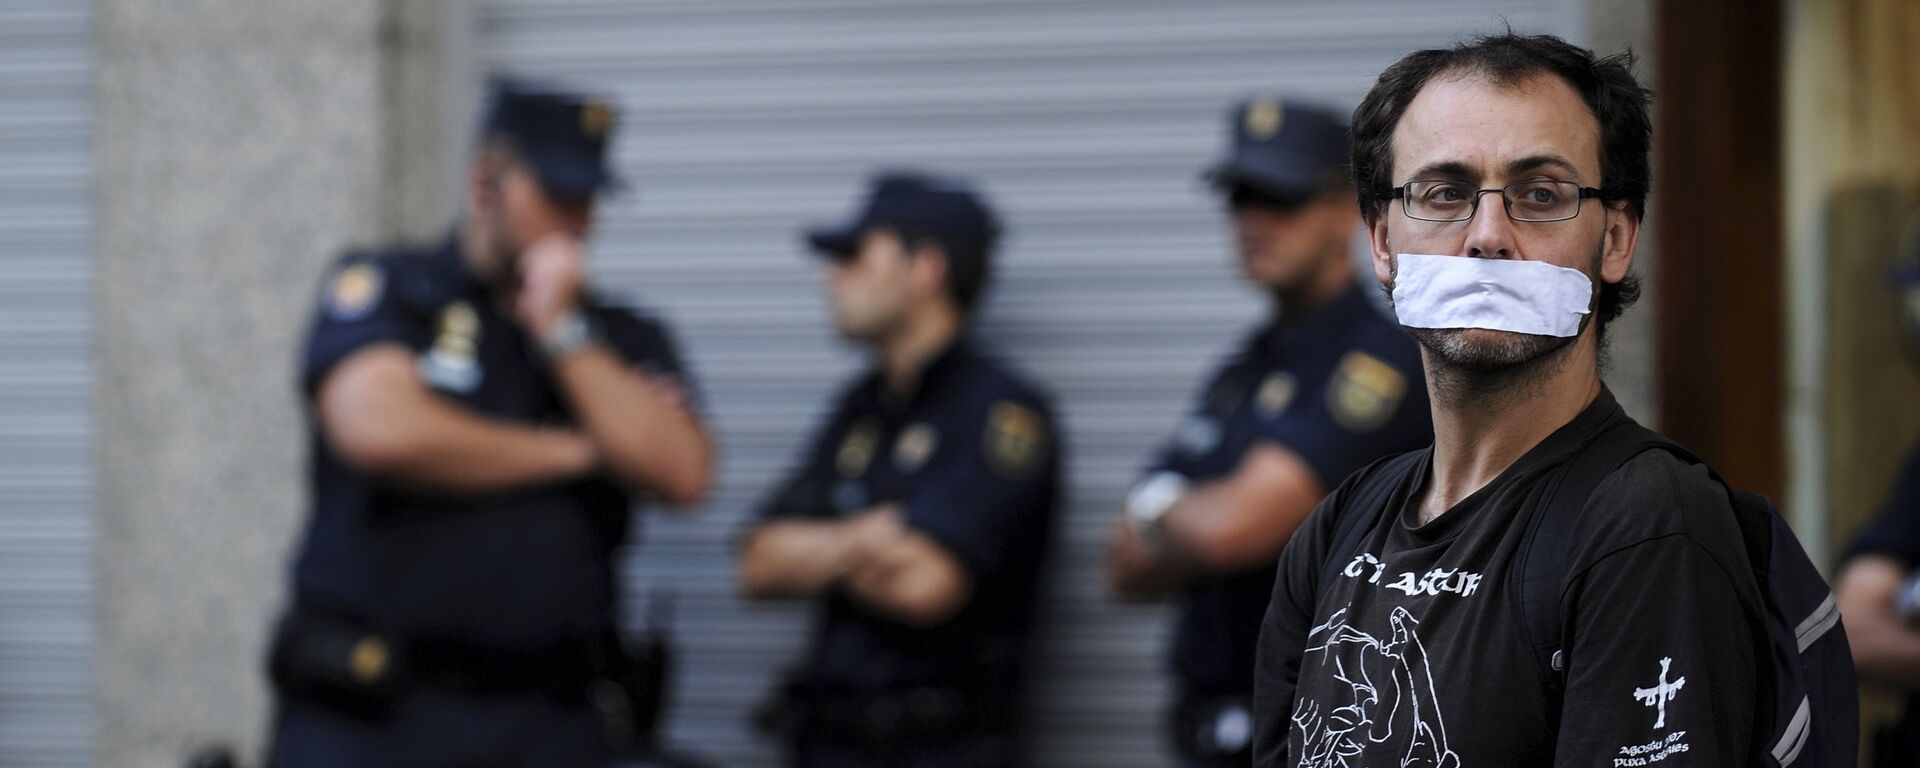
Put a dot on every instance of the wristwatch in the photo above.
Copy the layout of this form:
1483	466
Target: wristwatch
569	333
1148	502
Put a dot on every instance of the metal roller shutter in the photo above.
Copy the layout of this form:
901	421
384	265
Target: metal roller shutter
1087	122
46	301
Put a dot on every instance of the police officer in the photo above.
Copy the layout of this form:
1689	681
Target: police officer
1324	387
920	514
482	423
1879	586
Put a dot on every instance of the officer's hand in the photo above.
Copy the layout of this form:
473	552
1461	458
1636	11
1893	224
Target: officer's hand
667	388
551	273
876	532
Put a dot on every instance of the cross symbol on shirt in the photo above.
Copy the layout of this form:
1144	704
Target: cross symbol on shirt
1660	693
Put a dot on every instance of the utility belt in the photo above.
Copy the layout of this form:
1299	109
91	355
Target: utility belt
1218	728
886	720
350	667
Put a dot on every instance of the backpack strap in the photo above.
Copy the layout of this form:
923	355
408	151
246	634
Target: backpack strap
1539	577
1361	507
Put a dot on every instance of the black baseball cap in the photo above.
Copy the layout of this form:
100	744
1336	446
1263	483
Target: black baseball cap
561	134
1283	151
916	205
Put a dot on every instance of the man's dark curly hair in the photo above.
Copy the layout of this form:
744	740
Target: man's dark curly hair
1606	84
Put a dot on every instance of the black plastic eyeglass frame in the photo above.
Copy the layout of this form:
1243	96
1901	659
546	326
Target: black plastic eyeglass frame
1506	203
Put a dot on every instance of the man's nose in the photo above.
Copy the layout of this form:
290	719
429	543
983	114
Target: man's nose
1490	232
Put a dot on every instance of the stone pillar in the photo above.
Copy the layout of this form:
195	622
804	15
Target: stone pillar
239	147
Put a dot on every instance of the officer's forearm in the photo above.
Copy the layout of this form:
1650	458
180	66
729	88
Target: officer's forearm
916	583
794	558
1245	519
1885	649
377	415
646	439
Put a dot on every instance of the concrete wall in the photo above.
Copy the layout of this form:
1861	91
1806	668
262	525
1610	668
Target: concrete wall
240	146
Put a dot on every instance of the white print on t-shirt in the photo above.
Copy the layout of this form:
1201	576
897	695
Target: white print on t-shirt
1661	693
1438	581
1389	697
1652	751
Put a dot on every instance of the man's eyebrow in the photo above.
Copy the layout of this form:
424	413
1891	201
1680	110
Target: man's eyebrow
1536	162
1445	169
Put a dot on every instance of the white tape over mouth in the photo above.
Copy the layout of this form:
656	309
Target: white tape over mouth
1495	294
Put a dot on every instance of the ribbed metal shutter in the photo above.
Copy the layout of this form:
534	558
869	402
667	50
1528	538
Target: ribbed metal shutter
1087	123
46	499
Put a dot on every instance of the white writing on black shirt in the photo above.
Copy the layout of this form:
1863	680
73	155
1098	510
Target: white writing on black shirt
1439	581
1652	751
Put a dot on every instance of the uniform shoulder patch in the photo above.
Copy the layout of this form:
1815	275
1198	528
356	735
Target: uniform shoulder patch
354	290
856	449
1364	392
1016	439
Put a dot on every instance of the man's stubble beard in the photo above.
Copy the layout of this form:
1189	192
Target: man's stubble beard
1504	366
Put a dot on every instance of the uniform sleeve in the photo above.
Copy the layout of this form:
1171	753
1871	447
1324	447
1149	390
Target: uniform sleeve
359	306
1661	635
806	491
1169	456
1283	632
987	486
647	346
1895	531
1371	404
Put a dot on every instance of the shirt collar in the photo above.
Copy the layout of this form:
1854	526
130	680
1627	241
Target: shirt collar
1345	310
940	371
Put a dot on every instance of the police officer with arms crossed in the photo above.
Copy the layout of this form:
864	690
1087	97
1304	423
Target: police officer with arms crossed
1322	388
1503	183
919	516
482	423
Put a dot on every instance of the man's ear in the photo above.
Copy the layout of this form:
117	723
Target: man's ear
927	268
1618	242
1378	244
483	182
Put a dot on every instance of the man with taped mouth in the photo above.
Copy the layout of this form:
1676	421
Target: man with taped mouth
1503	183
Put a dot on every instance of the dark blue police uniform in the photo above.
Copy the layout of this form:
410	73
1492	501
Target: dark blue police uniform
972	460
451	629
1340	387
1895	533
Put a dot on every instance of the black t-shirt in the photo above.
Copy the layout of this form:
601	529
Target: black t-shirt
973	460
1417	654
519	569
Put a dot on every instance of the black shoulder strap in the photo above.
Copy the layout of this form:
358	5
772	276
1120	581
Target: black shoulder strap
1540	575
1361	507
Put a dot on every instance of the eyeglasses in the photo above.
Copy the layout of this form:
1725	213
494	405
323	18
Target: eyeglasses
1536	201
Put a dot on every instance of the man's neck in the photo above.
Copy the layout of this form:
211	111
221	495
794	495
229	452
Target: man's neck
1332	278
1483	425
905	355
476	253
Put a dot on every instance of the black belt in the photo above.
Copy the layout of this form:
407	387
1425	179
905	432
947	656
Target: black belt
347	665
890	719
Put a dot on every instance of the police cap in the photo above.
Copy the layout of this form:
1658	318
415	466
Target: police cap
1286	152
562	135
